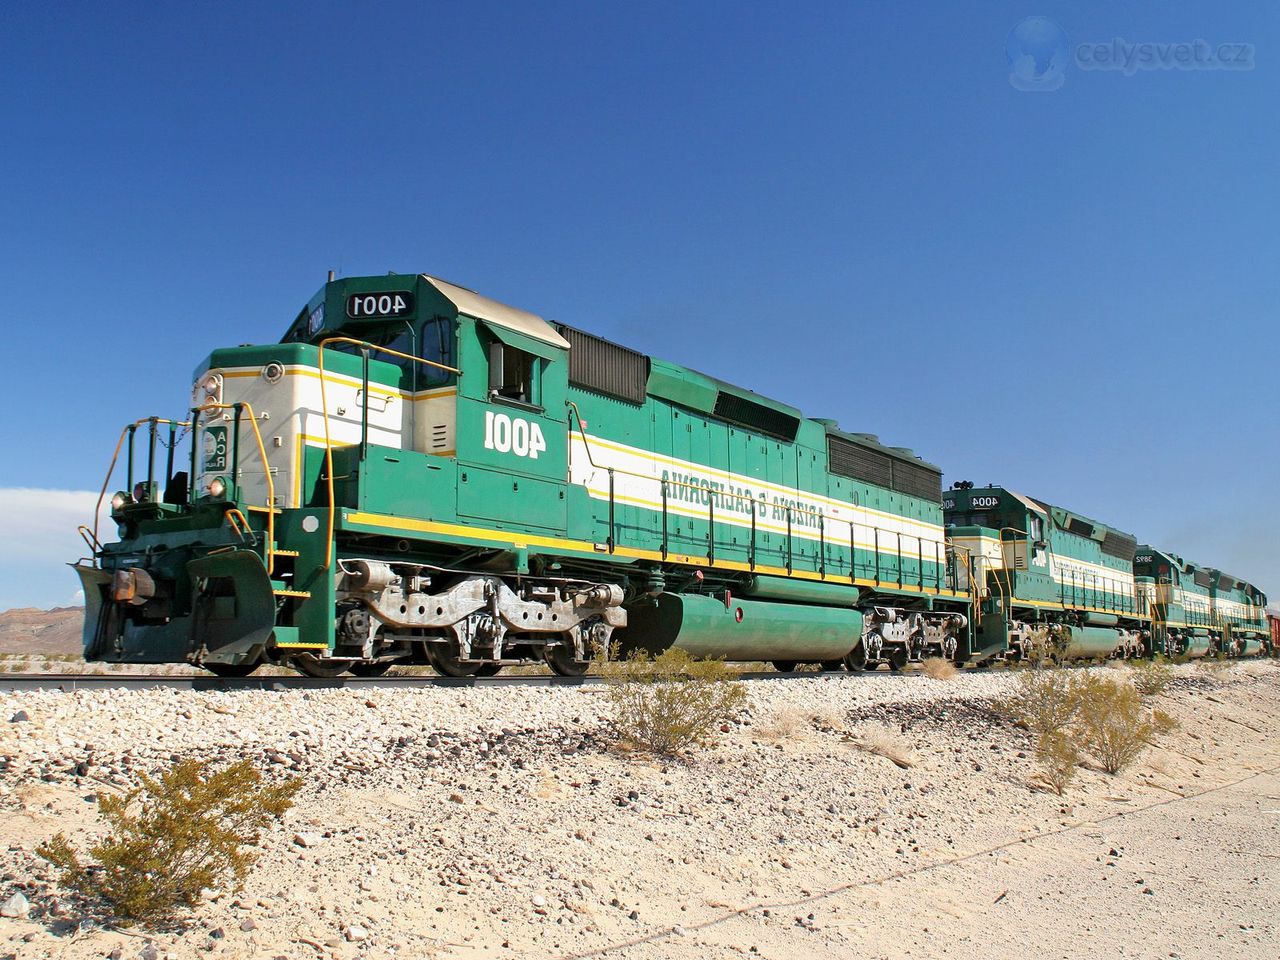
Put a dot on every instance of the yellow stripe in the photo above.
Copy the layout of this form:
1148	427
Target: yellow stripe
1018	602
742	478
378	388
696	514
406	524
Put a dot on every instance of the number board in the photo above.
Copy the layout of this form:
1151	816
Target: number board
215	449
380	306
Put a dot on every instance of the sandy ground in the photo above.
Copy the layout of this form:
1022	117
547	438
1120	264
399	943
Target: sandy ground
500	823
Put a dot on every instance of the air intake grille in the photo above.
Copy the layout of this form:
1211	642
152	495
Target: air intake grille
1202	579
1119	545
916	480
605	367
859	463
755	416
1226	583
871	466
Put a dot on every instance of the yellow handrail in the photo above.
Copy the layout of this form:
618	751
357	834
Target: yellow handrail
324	408
805	511
266	470
97	510
238	522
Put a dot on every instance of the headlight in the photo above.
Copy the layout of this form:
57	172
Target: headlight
140	492
119	499
218	487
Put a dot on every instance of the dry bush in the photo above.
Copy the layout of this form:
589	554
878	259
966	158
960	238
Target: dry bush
1044	701
1213	666
172	837
665	704
1059	757
884	743
1151	678
937	668
827	717
1099	714
783	724
788	721
1113	724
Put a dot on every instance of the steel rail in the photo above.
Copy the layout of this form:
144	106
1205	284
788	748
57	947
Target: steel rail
140	681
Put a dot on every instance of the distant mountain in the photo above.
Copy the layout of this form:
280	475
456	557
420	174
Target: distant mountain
29	630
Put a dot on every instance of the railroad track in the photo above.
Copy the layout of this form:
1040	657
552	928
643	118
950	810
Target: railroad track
142	681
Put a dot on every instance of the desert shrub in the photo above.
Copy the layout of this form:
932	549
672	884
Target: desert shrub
1213	666
1151	678
937	668
1044	701
1059	757
665	704
783	724
1113	724
172	837
1071	712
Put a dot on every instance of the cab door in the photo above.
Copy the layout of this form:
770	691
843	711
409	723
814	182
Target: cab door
512	428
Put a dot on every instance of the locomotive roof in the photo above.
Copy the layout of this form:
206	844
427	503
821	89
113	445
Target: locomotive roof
1114	541
491	311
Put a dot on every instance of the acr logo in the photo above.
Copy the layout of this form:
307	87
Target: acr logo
513	435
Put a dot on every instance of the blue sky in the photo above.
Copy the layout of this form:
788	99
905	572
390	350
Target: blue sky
847	206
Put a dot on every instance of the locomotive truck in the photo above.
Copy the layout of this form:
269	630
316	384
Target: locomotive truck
418	473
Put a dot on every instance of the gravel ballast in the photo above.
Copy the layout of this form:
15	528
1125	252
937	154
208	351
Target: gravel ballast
503	822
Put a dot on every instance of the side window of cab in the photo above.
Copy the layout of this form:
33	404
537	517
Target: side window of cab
437	346
514	375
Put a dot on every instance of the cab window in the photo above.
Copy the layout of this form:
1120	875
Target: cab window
513	375
437	346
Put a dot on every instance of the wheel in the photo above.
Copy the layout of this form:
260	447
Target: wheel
832	666
372	668
445	661
231	669
561	661
898	659
320	667
855	661
785	666
489	670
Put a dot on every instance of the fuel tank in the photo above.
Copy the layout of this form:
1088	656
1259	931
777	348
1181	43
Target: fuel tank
742	629
1087	643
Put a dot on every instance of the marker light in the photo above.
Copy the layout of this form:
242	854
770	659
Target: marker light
119	499
218	487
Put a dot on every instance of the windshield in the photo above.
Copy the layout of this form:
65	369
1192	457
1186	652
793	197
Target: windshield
434	344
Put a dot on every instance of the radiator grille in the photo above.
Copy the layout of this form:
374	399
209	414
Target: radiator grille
606	367
1119	545
857	462
917	480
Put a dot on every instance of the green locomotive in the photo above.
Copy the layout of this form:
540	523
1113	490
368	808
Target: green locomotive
418	473
1048	582
1199	611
